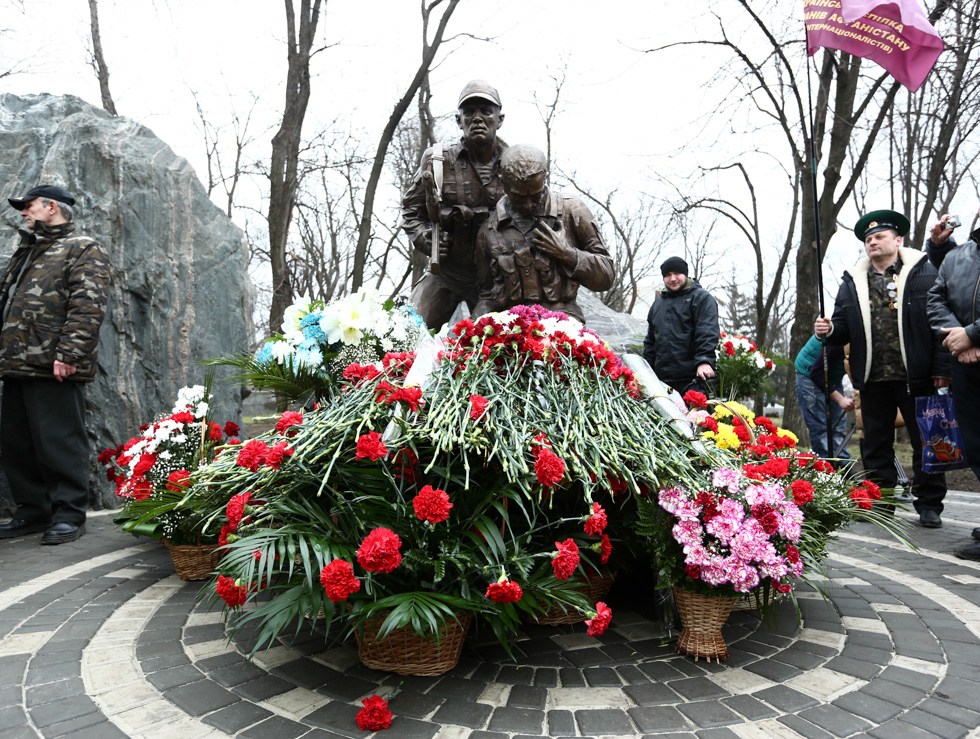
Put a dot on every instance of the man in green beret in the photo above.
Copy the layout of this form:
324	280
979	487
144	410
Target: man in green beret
881	311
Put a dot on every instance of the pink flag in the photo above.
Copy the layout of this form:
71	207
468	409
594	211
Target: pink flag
895	35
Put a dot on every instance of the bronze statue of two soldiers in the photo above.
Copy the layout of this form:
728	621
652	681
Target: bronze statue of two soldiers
504	238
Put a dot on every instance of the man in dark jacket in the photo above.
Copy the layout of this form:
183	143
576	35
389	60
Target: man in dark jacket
683	330
467	177
954	311
52	300
880	310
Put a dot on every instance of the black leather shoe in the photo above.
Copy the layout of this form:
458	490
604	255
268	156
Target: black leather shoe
20	527
930	519
60	533
970	552
976	533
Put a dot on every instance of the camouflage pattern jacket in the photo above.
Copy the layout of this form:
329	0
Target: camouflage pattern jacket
55	309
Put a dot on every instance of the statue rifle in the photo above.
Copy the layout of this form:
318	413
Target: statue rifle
432	197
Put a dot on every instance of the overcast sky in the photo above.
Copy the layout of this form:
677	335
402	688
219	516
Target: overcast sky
625	115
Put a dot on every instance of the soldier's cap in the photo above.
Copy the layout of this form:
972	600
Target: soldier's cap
881	220
51	192
479	89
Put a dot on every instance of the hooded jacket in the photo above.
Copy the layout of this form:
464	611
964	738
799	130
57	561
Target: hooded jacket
53	298
683	332
924	356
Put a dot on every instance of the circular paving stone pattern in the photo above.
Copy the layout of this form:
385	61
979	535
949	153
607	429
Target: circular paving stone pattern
116	645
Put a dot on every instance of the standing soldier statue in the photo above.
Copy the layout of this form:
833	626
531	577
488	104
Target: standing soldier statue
455	189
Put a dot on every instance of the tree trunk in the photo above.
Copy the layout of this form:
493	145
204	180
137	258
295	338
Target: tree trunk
285	151
367	214
98	60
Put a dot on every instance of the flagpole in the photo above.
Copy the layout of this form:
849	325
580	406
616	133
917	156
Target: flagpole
819	251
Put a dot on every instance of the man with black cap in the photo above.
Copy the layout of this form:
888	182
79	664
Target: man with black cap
52	300
881	311
453	193
683	330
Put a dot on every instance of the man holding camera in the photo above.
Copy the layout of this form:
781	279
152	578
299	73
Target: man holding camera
953	305
453	193
880	310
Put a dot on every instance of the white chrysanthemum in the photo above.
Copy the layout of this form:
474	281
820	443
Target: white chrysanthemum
281	351
760	361
164	455
179	438
188	396
201	411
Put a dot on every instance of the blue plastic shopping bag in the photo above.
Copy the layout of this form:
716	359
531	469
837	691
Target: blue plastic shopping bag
942	446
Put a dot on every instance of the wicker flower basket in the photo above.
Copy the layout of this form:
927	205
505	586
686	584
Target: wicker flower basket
195	561
594	590
702	617
406	653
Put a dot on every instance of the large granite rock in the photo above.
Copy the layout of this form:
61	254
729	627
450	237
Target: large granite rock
179	292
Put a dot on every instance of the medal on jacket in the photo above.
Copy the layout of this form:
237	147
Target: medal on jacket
892	294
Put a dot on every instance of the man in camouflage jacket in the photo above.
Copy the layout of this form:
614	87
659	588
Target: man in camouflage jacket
53	297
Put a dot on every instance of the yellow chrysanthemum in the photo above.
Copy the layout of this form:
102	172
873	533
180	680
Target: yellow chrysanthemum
725	438
721	411
787	432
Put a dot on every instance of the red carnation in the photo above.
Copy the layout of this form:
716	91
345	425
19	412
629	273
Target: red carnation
595	524
505	591
145	464
802	492
600	622
792	553
235	510
277	454
176	480
549	468
232	594
410	395
214	431
729	348
605	549
766	423
694	399
566	559
379	551
231	429
478	406
253	455
709	423
371	446
375	714
861	498
874	492
356	373
692	571
338	580
432	505
226	532
287	419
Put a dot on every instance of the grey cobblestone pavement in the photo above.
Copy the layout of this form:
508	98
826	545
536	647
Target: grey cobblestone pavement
99	638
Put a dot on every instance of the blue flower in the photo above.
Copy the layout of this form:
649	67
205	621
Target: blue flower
265	353
308	357
311	326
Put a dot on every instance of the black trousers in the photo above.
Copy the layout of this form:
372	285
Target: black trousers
966	395
879	403
45	449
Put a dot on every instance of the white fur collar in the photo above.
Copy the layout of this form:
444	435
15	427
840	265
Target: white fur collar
859	273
